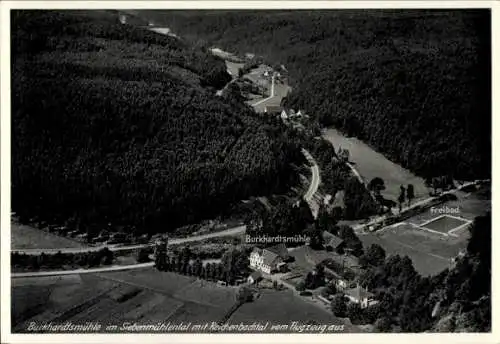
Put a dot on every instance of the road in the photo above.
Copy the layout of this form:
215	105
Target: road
81	271
270	96
227	232
313	186
315	180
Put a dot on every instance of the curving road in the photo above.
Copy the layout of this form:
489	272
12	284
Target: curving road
315	180
227	232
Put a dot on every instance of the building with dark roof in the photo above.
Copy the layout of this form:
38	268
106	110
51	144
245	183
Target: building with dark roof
255	277
333	242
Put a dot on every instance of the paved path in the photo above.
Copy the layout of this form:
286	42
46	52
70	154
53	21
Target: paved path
270	96
313	187
81	271
227	232
315	180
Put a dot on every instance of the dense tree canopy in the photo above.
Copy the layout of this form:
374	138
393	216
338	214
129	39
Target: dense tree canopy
116	124
415	84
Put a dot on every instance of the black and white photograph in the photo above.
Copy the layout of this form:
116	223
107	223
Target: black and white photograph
248	170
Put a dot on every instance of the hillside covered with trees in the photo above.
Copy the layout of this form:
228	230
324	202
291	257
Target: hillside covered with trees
115	124
414	84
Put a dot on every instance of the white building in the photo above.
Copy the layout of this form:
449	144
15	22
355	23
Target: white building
360	296
269	259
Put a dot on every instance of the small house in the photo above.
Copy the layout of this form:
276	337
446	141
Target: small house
255	277
284	115
333	242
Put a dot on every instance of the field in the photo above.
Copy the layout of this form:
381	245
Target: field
23	237
145	296
283	307
233	67
371	164
430	252
148	296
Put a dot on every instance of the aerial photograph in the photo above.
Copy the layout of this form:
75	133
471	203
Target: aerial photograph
250	171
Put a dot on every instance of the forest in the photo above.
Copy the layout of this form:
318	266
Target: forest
414	84
113	124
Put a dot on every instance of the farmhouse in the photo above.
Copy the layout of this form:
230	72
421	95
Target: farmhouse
269	259
333	242
361	296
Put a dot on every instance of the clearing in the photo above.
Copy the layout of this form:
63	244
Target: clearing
283	307
371	164
26	237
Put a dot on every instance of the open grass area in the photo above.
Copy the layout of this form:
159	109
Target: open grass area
431	252
113	298
283	307
371	164
23	237
233	67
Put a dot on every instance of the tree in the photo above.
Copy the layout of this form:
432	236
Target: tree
410	193
143	255
376	185
198	268
316	238
401	197
354	312
374	255
245	295
371	313
339	305
309	281
301	286
107	255
383	324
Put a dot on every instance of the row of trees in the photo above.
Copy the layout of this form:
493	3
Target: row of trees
58	260
234	265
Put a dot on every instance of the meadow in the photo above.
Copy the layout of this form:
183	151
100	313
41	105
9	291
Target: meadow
24	237
145	296
371	164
